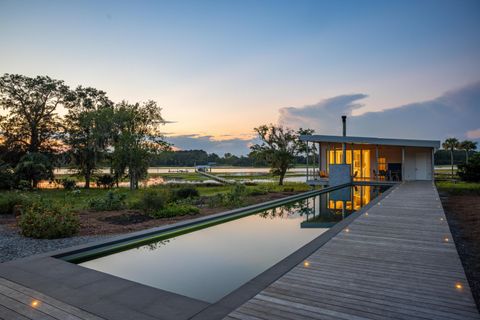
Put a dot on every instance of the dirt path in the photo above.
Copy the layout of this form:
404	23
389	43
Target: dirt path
463	215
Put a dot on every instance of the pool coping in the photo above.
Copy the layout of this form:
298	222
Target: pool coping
53	276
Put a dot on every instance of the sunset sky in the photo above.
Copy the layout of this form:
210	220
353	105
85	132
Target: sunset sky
220	68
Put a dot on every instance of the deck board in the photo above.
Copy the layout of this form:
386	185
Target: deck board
19	302
396	262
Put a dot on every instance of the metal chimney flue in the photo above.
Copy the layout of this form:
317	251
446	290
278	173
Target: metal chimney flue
344	145
344	123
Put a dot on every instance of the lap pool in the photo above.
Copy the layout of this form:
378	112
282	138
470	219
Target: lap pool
209	263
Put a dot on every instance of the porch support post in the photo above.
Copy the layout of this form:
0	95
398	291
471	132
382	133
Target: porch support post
433	164
319	157
327	156
307	158
376	162
351	162
403	163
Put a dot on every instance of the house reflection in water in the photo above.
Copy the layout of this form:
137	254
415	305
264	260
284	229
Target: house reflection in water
329	208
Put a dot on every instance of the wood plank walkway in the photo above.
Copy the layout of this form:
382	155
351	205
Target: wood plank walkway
397	261
22	303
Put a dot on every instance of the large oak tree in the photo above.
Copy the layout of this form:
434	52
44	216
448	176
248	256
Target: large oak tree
31	124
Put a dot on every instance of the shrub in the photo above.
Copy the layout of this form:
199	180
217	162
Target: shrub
185	193
111	201
152	200
24	185
7	177
257	191
68	184
106	181
174	210
34	167
44	220
9	201
471	171
234	198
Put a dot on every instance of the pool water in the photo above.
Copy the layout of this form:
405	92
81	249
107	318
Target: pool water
208	264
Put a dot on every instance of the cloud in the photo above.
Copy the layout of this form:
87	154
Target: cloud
455	113
236	146
473	134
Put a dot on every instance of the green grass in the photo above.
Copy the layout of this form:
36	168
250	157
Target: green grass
79	199
458	188
263	176
190	176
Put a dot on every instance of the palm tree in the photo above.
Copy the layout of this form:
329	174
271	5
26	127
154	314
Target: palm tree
468	146
451	144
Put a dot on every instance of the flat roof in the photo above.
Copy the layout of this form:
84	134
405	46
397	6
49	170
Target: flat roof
369	140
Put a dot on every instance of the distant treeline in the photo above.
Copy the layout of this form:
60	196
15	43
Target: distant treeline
189	158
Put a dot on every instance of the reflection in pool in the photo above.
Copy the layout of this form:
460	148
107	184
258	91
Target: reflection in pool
208	264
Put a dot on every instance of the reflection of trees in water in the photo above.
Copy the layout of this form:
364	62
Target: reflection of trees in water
154	245
287	210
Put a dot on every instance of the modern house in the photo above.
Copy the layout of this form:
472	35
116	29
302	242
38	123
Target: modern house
341	159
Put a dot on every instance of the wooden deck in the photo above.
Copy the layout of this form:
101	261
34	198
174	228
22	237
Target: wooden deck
397	261
21	303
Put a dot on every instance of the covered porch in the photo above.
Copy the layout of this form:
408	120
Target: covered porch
369	159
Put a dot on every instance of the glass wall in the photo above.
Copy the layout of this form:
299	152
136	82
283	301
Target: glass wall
361	168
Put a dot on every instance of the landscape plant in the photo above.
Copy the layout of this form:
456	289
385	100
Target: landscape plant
34	167
46	220
470	171
109	202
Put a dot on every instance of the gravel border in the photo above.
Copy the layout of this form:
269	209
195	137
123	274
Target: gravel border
14	246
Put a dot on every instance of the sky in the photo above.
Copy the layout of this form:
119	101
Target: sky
221	68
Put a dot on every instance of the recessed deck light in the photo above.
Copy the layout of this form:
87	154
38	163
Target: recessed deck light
35	303
306	264
458	286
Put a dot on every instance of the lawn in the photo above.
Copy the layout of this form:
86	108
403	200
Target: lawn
461	201
459	187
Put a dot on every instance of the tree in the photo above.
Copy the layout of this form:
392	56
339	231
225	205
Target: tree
278	148
137	138
34	167
32	122
470	171
451	144
88	128
468	146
